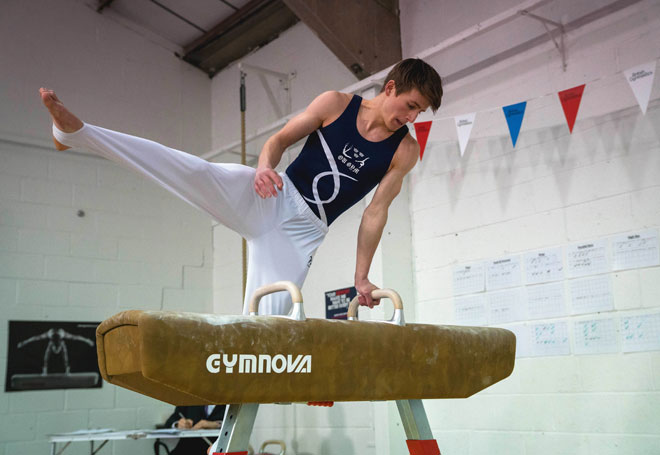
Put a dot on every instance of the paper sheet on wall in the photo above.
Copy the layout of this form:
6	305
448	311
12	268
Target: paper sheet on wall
546	301
549	339
595	336
503	273
469	279
506	306
591	295
521	331
640	332
471	310
587	258
639	249
544	266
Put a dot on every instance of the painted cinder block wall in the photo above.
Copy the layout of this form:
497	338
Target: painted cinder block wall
555	404
136	247
552	190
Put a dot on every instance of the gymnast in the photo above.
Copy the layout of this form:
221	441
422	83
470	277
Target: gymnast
352	146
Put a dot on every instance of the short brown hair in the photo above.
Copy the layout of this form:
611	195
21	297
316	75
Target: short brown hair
416	73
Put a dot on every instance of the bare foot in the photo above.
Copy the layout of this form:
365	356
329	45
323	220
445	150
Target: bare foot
63	119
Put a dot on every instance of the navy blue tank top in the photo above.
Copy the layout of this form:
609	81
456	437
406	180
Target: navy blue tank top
337	166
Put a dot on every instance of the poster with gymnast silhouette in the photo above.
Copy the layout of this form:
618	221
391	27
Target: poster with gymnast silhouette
44	355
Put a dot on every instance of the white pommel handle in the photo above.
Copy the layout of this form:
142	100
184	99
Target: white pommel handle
391	294
297	311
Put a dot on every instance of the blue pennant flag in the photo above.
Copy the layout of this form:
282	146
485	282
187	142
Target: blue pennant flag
514	116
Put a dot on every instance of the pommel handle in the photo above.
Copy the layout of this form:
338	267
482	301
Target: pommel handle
297	311
381	294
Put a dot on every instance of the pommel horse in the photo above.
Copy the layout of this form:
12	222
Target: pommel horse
198	359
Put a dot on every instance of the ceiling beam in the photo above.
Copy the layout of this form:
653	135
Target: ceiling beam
103	4
364	35
253	25
242	14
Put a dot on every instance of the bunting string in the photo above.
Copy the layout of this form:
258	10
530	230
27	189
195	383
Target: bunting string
640	78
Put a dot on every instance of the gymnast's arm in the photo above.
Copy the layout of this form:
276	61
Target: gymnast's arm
375	217
70	336
324	107
31	339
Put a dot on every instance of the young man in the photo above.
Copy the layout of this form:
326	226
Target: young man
352	146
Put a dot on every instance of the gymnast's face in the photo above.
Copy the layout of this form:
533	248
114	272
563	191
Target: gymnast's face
402	108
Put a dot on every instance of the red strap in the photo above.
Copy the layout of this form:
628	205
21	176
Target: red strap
230	453
327	404
423	447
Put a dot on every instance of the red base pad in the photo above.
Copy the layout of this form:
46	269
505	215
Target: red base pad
423	447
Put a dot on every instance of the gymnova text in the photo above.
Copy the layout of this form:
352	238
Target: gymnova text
263	363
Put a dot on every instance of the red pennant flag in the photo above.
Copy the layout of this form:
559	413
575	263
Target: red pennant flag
570	102
422	130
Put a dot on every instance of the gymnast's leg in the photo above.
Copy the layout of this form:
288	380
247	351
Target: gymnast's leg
62	117
281	240
225	191
290	233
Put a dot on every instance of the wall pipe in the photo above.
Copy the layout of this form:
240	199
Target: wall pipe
243	161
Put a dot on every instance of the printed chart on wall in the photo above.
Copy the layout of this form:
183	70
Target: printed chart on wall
46	355
561	300
336	302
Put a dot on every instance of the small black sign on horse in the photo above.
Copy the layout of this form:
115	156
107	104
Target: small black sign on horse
336	302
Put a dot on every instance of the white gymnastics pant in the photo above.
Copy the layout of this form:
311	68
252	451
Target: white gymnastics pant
282	232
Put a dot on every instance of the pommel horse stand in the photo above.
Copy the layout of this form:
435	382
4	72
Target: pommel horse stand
199	359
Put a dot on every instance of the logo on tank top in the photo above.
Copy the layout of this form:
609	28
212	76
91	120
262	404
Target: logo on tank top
352	158
334	173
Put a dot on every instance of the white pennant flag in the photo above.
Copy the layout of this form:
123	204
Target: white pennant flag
640	79
464	128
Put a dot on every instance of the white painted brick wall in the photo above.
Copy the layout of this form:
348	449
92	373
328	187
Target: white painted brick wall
553	189
18	426
136	247
61	421
63	272
32	293
547	192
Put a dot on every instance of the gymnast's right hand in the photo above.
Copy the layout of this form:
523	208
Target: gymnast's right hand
184	424
267	182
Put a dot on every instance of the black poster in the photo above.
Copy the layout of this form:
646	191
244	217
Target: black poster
336	302
46	355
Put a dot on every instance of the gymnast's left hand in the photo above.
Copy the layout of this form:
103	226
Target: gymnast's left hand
267	182
364	288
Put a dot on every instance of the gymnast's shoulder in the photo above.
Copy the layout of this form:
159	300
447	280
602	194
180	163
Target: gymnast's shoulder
329	105
407	153
334	98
